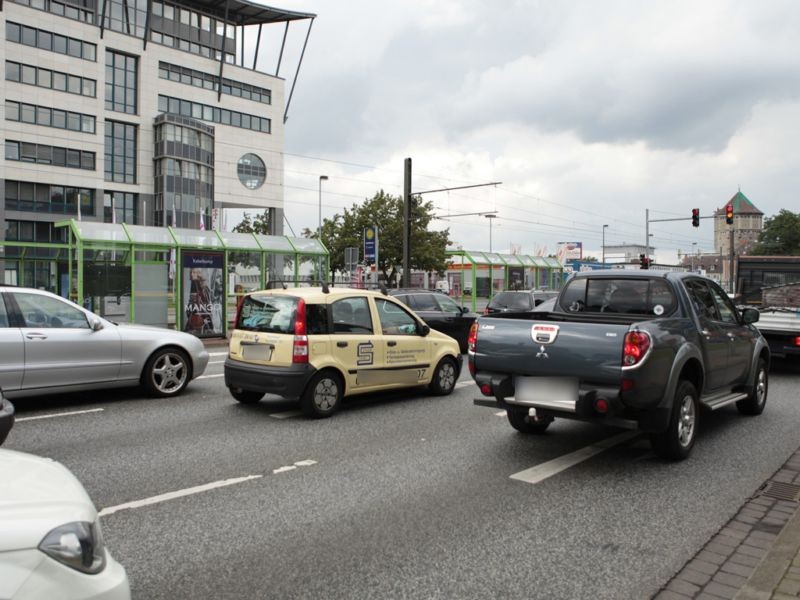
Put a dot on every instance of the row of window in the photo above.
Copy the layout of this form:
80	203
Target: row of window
34	231
204	112
193	19
54	80
60	8
121	82
49	117
185	135
46	198
209	82
184	169
120	152
50	155
193	47
125	16
54	42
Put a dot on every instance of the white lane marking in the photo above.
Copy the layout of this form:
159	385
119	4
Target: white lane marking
216	362
63	414
464	383
283	469
305	463
541	472
211	376
287	415
178	494
218	353
502	413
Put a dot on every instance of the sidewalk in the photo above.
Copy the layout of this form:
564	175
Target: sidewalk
756	555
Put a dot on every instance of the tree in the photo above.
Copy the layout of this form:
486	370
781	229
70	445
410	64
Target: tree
258	225
780	236
428	248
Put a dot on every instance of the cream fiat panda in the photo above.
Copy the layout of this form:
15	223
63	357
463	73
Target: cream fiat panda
322	344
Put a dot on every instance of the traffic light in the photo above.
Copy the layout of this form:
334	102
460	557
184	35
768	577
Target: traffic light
729	213
695	217
644	262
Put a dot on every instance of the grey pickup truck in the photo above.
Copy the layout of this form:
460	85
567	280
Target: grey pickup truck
635	349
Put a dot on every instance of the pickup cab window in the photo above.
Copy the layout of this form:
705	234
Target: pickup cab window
619	296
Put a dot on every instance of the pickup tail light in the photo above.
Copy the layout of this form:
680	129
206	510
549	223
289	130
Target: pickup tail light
635	347
472	340
797	341
300	346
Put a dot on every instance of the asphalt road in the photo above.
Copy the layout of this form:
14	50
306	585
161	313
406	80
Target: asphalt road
397	496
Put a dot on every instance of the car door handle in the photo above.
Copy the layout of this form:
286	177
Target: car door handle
341	344
36	336
391	343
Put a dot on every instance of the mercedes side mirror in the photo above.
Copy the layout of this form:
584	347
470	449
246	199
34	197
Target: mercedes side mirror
95	324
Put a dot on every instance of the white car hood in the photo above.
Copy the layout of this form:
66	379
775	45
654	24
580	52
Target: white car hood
36	495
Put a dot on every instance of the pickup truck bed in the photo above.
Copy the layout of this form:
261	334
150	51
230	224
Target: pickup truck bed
630	349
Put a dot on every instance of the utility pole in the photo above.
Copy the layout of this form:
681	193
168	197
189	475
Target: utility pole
406	280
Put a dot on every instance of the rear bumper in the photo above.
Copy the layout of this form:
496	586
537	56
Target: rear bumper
651	420
6	418
289	382
781	344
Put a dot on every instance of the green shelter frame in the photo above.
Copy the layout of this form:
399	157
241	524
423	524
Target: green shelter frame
478	274
133	273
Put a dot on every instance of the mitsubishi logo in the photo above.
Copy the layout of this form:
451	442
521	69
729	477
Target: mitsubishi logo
542	353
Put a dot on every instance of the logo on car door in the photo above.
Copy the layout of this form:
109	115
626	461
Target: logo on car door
544	334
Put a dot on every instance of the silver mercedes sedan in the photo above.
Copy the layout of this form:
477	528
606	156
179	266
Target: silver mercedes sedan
50	345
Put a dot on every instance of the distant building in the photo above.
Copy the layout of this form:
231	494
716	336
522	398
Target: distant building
626	253
748	222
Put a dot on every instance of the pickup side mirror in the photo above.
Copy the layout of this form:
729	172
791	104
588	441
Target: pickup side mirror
750	315
423	329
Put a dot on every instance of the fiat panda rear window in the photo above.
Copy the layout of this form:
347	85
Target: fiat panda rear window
268	314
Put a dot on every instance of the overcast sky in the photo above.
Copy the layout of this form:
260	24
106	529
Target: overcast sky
587	112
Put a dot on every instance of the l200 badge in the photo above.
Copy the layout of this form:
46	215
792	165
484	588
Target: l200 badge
544	334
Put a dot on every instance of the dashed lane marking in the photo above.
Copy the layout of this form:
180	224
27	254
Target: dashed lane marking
198	489
216	362
63	414
218	353
211	376
545	470
287	414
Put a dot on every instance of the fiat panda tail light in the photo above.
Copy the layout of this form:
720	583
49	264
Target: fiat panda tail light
300	345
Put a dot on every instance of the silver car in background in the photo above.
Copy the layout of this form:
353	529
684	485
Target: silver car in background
50	345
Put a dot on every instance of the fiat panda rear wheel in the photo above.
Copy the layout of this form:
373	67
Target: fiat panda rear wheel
245	396
322	396
444	377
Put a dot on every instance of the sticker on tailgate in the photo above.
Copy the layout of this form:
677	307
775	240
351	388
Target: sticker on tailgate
544	334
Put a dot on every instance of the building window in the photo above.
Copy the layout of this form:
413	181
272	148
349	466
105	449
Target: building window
46	198
53	42
119	207
45	78
120	152
209	82
121	82
34	231
252	171
49	117
50	155
176	106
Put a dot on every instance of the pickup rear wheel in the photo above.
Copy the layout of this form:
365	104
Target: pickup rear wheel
676	442
521	420
755	402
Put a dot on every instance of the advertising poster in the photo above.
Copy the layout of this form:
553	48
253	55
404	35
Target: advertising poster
203	293
370	243
569	251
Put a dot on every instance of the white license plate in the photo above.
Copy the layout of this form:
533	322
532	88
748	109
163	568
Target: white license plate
560	393
256	352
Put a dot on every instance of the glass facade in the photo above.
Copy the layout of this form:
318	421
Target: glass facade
208	81
48	198
119	207
55	80
196	110
121	82
120	152
184	172
193	31
34	231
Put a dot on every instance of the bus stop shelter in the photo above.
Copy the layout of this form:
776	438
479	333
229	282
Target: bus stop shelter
163	276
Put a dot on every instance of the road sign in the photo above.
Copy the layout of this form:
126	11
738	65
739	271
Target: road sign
370	243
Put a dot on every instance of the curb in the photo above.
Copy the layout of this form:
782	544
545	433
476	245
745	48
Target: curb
755	555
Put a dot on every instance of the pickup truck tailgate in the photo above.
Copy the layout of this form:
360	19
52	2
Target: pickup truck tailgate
587	351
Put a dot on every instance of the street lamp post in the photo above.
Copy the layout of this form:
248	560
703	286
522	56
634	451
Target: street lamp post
319	212
604	244
693	250
491	218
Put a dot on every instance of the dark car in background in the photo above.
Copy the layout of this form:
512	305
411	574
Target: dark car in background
518	300
439	311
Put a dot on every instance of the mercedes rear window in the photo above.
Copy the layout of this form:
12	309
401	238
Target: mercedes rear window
512	300
646	297
268	314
